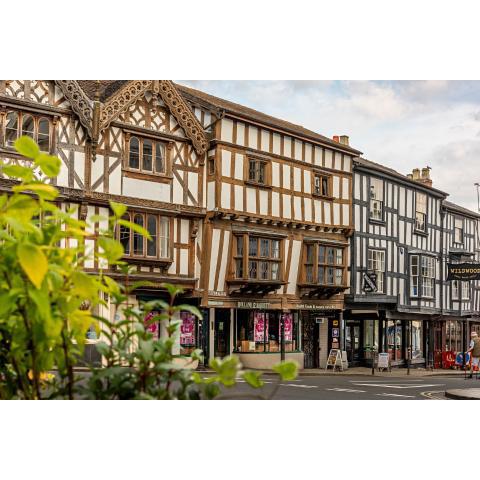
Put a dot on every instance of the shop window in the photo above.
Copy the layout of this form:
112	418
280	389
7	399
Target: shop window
321	185
260	331
188	323
20	123
136	245
416	339
376	199
260	261
422	276
324	265
395	339
453	336
420	212
150	152
458	230
376	264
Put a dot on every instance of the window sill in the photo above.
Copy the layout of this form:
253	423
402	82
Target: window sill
147	260
258	185
377	222
323	197
152	177
420	232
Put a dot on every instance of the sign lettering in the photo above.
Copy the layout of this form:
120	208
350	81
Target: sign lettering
370	282
463	271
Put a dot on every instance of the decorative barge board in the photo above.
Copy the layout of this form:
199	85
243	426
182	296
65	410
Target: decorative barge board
276	233
397	264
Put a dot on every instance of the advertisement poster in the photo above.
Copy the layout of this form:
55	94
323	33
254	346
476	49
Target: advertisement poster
151	327
187	328
260	327
288	327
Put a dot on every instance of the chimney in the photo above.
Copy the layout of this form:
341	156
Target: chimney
422	177
343	139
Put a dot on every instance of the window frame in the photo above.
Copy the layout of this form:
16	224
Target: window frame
421	277
322	176
462	230
381	201
417	229
155	142
316	264
21	116
382	272
244	258
267	183
130	254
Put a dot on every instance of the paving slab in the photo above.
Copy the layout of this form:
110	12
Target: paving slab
463	394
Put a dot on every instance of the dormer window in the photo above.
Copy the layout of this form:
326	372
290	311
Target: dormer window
146	155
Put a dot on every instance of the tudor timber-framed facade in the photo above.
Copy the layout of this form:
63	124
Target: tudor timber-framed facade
263	213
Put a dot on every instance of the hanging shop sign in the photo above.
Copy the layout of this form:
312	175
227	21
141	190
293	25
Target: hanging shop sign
187	328
150	325
463	271
254	305
260	327
370	282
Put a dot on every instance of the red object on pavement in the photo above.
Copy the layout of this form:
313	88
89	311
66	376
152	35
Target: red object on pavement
448	359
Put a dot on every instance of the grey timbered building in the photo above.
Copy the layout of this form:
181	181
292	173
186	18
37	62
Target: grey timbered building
396	264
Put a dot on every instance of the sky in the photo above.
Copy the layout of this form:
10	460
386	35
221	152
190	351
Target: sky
400	124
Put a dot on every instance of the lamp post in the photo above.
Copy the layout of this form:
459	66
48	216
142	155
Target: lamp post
282	337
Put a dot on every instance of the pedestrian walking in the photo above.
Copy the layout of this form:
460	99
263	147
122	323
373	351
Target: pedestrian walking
474	351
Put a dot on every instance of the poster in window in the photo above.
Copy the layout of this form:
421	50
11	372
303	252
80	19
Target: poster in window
288	327
150	325
187	328
260	327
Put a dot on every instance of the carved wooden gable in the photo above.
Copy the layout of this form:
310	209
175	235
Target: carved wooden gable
45	92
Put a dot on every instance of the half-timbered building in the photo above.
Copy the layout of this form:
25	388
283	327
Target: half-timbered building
278	218
396	267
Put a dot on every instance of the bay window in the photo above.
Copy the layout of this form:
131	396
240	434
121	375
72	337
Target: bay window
146	155
324	264
376	264
136	245
257	258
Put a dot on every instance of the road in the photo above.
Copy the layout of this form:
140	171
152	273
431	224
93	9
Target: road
356	387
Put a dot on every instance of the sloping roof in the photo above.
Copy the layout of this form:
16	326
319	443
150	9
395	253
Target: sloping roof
390	171
460	209
255	115
106	88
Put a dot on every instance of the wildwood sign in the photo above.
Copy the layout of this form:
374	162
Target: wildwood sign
463	271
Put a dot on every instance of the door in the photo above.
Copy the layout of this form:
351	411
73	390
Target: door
352	342
311	342
222	333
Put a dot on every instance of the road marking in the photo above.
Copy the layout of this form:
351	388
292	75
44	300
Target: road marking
399	385
434	395
345	390
298	386
394	395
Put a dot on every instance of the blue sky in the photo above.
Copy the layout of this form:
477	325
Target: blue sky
401	124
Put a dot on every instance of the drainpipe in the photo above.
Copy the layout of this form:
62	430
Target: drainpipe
442	259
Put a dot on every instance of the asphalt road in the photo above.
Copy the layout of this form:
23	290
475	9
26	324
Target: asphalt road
354	387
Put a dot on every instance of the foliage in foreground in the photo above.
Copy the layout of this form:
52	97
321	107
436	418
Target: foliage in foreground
47	300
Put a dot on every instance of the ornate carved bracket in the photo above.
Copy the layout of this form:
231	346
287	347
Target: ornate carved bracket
79	101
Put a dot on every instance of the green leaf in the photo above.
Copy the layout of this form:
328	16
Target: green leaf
17	171
85	285
27	147
47	192
42	302
253	379
118	209
33	262
227	369
112	250
191	309
286	370
135	227
48	164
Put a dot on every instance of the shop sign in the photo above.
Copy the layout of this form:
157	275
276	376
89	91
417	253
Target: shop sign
216	293
313	306
187	328
370	282
383	360
287	328
320	319
334	359
335	332
260	327
215	303
463	271
254	305
150	326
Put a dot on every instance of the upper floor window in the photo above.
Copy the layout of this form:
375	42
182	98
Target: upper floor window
146	155
257	258
136	245
21	123
321	184
257	170
376	264
465	290
422	276
376	199
458	230
420	212
324	265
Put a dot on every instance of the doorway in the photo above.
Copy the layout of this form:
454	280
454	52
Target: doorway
311	341
222	332
353	342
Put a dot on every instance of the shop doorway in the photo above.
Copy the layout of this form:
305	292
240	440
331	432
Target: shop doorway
311	342
222	332
353	342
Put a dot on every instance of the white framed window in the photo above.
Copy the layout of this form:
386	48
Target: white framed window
376	199
465	290
458	230
420	212
422	276
454	289
376	263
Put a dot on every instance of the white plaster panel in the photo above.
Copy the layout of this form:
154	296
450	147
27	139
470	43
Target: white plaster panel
276	174
210	195
265	137
308	152
133	187
327	218
239	166
286	176
276	143
297	179
275	204
251	200
328	158
213	258
318	156
346	213
192	178
238	197
223	264
318	211
336	214
226	195
307	181
263	202
292	277
297	208
347	163
308	209
226	163
298	149
287	146
287	207
184	230
253	137
345	188
336	186
240	133
227	130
